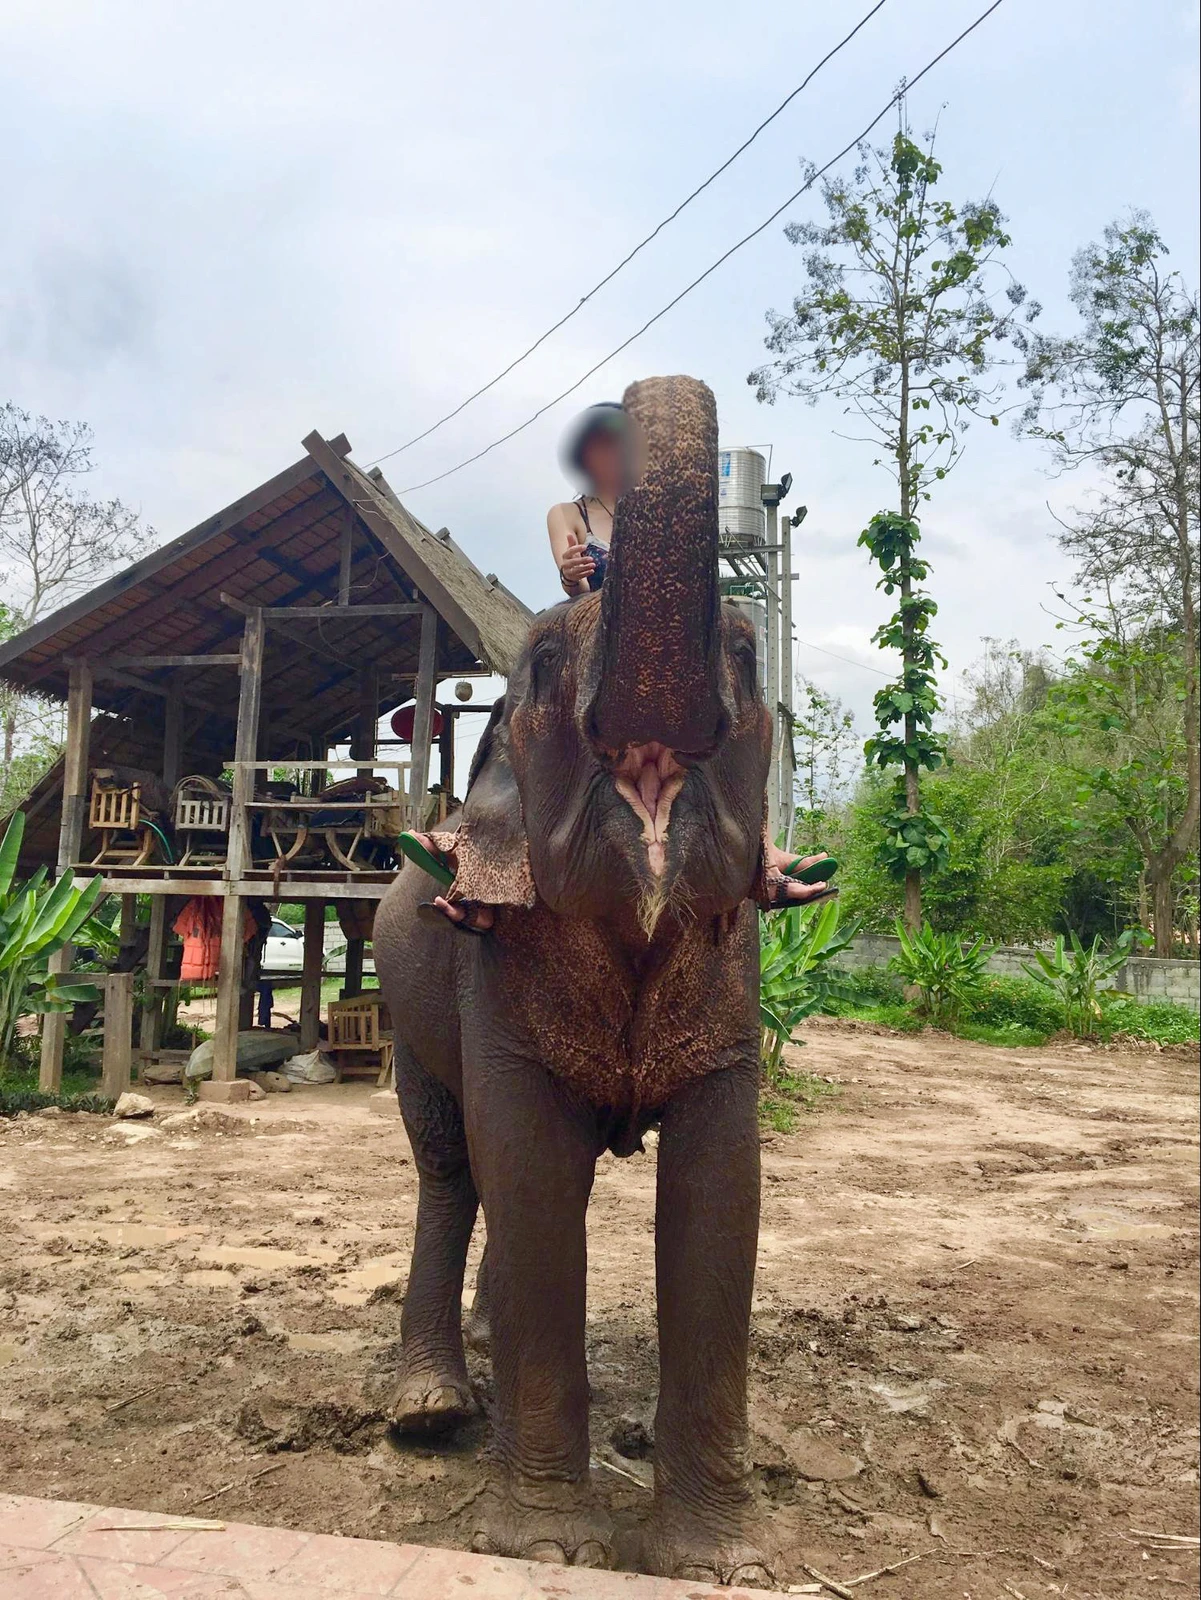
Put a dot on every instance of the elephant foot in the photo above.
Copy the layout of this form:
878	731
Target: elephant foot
477	1331
543	1520
704	1548
431	1402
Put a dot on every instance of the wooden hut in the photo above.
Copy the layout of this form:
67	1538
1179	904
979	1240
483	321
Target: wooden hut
285	625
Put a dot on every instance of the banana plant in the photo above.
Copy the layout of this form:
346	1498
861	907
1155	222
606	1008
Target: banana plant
36	920
795	949
1078	976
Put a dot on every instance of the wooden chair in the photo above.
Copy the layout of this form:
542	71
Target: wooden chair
126	839
202	821
360	1037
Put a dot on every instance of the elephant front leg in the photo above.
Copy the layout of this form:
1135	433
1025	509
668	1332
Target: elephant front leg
433	1394
706	1233
533	1153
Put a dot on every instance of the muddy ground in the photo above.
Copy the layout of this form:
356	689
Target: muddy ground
974	1333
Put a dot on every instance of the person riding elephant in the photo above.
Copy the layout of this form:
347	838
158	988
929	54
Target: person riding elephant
615	827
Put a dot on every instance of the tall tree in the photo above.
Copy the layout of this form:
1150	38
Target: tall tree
56	541
1122	397
904	315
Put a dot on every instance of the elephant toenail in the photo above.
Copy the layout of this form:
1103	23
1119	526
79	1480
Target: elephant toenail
753	1573
483	1544
592	1553
546	1550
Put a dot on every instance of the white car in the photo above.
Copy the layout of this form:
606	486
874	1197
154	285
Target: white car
284	950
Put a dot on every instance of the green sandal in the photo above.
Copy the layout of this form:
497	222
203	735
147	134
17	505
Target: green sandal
428	860
820	871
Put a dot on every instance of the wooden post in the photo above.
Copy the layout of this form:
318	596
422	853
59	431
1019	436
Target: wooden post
345	556
423	716
319	752
154	1000
368	720
128	926
446	754
117	1061
352	984
150	1030
229	971
70	840
310	981
173	738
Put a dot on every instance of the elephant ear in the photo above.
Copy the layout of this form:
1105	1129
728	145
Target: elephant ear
490	844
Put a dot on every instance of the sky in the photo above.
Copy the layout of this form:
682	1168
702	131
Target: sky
230	223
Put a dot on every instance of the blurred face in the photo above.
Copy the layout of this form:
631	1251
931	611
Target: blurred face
604	462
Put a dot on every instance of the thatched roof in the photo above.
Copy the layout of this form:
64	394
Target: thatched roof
284	544
279	546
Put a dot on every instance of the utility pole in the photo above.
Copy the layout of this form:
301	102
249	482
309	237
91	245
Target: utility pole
771	494
771	503
788	765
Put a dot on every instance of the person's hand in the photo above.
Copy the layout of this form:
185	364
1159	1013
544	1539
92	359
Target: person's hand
576	567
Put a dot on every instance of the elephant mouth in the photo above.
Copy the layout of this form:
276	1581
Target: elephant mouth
648	778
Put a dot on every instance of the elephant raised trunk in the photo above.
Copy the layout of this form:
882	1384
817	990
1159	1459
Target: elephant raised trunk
654	685
615	822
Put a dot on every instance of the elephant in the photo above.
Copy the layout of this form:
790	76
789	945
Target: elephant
615	818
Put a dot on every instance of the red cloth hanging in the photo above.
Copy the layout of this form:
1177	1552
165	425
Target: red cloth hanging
199	926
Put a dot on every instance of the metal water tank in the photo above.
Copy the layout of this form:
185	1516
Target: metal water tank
741	474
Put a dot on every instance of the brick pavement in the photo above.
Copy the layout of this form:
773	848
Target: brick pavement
64	1550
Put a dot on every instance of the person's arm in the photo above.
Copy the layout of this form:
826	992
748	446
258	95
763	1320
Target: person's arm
574	563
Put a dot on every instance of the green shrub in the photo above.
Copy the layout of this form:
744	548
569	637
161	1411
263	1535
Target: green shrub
866	986
1005	1002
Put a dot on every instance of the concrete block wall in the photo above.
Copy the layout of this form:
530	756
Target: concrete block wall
1145	977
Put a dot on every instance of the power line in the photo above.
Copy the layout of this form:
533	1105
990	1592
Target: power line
625	261
862	665
746	239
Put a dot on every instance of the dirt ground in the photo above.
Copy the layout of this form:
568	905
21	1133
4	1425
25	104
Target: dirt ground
974	1334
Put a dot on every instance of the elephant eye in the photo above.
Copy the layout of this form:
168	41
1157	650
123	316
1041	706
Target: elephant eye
544	664
747	659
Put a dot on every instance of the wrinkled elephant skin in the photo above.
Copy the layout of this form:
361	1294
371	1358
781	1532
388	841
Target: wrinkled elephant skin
615	819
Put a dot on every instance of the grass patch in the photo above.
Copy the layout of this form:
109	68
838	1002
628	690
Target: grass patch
785	1096
80	1079
1008	1033
1162	1021
14	1098
889	1014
